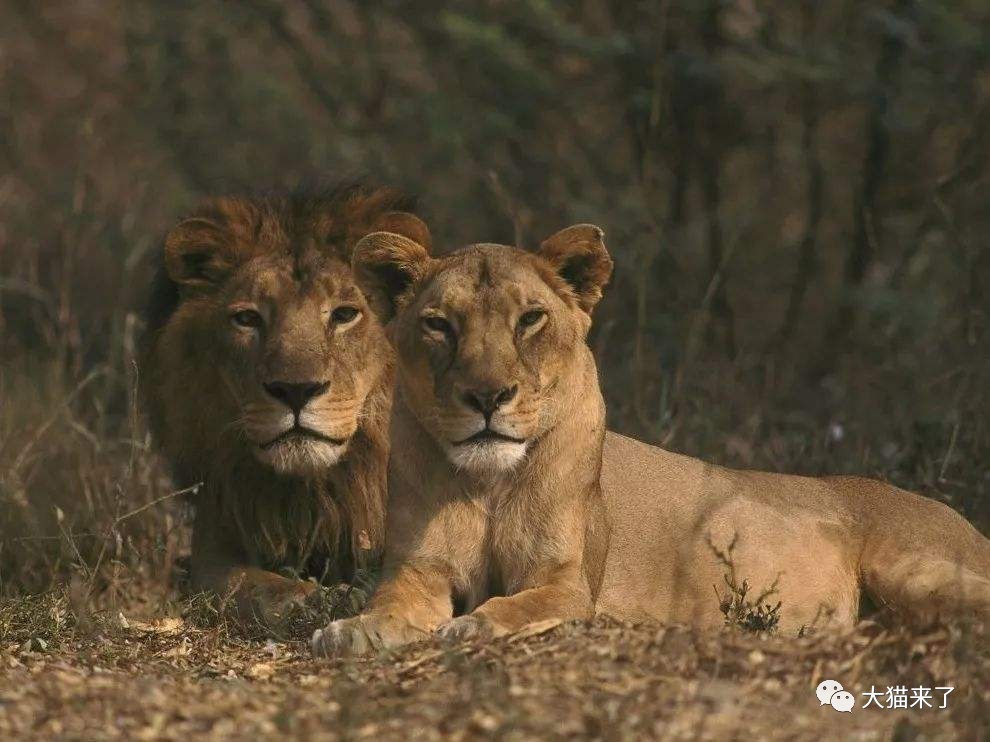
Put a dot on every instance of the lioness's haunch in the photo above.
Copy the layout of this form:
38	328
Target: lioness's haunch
268	379
497	507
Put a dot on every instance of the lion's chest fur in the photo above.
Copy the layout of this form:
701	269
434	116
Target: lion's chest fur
287	526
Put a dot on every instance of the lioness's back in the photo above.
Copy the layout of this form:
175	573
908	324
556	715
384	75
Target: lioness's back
683	521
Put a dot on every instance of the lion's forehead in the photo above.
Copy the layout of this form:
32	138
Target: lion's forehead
278	280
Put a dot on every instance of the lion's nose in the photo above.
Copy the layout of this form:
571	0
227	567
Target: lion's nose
295	395
487	401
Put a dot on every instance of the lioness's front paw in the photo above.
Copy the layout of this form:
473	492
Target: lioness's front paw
470	626
362	635
341	638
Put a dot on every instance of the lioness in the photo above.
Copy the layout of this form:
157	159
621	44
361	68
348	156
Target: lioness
268	380
497	509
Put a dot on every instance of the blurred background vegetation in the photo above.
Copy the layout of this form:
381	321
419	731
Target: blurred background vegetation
795	193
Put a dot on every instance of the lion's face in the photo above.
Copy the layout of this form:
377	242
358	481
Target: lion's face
298	354
271	313
487	336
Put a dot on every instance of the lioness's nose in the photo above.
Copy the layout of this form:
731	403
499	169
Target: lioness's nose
295	395
487	401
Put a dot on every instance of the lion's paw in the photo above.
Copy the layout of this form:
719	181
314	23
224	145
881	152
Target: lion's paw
470	626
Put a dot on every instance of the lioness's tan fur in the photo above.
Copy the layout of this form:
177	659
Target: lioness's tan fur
506	540
823	541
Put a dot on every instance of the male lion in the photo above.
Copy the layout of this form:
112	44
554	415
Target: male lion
268	380
498	508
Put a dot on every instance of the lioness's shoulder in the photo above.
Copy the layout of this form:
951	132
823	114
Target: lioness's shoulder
631	457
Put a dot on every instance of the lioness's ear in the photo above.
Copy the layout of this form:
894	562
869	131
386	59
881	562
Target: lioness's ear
386	265
406	224
579	256
197	253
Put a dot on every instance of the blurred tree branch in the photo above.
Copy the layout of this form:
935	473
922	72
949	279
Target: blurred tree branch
868	216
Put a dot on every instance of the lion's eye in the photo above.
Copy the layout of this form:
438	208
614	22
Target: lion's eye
247	318
344	315
438	324
530	318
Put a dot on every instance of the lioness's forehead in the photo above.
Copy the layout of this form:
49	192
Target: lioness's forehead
488	273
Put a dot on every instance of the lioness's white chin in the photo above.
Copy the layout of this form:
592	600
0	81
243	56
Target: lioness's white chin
487	457
301	456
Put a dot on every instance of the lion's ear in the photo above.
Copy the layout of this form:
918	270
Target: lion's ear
579	256
386	265
406	224
197	253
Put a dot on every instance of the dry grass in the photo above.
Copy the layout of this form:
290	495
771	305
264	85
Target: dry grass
167	679
81	494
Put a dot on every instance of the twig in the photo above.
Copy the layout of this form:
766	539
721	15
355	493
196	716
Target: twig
40	432
948	454
194	489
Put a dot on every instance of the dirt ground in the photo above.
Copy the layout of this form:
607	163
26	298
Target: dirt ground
167	679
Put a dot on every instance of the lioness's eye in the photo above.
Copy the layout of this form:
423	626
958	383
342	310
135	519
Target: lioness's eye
343	315
438	324
530	318
247	318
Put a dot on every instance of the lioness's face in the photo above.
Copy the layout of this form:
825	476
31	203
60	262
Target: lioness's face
482	350
270	305
301	355
486	338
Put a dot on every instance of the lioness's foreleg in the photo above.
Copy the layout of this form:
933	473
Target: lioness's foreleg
406	607
565	596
